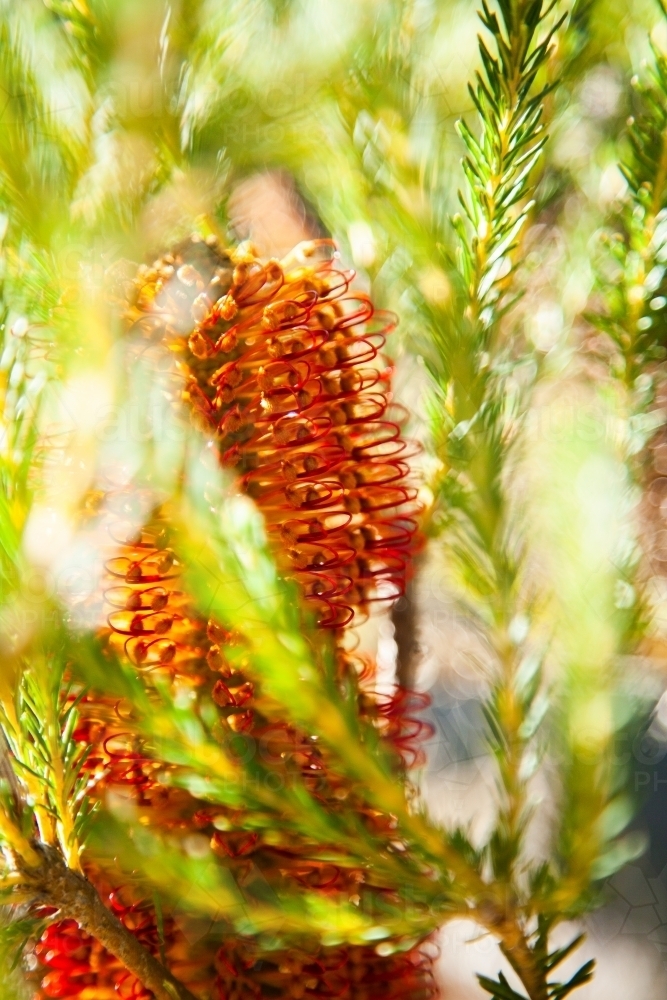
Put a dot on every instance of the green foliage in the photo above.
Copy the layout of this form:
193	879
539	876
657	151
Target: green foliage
632	281
358	113
87	29
501	989
498	166
484	374
39	729
15	936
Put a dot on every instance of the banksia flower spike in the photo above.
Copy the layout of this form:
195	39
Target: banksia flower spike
282	363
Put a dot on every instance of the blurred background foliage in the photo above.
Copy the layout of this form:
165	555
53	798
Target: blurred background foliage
125	126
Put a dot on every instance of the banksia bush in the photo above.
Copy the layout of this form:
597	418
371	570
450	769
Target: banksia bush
231	473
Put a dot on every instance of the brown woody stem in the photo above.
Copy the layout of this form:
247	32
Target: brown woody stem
522	960
54	884
405	622
515	948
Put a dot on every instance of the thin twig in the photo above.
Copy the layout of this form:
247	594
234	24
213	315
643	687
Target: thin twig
404	617
54	884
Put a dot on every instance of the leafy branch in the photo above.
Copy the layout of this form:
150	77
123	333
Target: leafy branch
632	279
479	389
43	833
499	164
39	730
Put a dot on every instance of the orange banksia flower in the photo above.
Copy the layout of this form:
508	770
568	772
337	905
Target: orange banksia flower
282	363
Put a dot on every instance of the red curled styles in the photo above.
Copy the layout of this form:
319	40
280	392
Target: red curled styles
283	363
